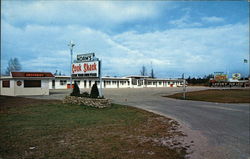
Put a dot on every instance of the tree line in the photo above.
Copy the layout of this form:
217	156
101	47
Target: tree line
199	81
143	72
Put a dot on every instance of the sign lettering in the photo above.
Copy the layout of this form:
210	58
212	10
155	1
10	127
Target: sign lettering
91	68
85	57
34	75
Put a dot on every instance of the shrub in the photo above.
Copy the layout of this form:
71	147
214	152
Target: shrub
85	94
94	91
76	90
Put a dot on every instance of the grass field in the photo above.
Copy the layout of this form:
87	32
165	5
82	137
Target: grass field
48	129
217	95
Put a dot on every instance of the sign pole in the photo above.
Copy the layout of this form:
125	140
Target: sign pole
71	45
100	77
184	86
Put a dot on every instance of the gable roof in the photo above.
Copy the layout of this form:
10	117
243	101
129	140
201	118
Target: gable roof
32	74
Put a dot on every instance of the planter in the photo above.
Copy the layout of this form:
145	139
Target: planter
98	103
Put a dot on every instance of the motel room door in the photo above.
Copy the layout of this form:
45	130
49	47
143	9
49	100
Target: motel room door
53	84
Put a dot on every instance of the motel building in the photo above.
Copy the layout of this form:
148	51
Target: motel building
39	83
63	82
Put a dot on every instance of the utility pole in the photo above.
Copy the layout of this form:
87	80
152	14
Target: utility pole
184	86
71	45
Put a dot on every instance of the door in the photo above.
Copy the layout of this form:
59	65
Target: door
53	84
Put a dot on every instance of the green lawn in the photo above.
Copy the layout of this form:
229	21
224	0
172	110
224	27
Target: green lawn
217	95
54	130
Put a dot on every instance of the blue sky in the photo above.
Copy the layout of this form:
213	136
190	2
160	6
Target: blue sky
196	38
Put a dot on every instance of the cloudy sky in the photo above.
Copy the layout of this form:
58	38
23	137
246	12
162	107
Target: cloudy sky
196	38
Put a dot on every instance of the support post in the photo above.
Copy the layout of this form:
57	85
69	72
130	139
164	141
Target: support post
71	45
184	86
100	77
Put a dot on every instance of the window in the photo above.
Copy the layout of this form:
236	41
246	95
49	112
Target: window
128	83
32	83
6	83
85	83
154	83
160	83
89	84
134	81
113	82
108	82
149	83
122	82
63	82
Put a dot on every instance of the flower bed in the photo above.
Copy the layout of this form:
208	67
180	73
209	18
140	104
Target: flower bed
94	102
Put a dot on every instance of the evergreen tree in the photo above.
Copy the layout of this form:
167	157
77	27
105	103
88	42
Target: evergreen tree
56	73
76	90
94	91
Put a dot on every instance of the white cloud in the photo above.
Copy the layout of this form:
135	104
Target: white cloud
189	49
212	19
93	13
41	44
184	21
200	50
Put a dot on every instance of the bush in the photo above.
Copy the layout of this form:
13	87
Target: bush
94	91
85	94
76	90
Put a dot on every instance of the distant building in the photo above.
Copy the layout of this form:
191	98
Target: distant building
39	83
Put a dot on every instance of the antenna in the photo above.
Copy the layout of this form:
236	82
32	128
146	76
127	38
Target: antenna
71	45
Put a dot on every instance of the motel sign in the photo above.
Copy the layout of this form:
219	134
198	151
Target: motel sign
86	65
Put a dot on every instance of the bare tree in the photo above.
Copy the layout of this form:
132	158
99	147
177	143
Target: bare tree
143	71
13	65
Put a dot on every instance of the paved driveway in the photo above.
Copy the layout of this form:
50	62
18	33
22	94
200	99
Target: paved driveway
218	130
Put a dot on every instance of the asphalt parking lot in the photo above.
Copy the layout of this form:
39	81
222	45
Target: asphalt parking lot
218	130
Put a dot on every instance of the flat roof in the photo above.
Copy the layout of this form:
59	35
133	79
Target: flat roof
164	79
137	76
32	74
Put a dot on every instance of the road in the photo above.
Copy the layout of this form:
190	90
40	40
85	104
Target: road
218	130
